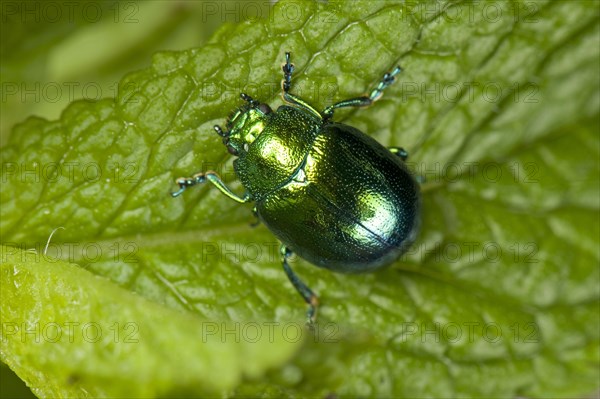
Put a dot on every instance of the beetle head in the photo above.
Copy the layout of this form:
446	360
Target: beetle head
244	125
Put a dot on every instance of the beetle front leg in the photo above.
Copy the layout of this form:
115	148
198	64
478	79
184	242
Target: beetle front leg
212	177
306	293
364	101
286	84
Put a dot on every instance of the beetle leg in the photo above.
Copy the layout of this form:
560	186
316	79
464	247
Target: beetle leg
292	99
309	297
363	101
400	152
386	81
255	213
212	177
288	68
220	131
286	83
250	100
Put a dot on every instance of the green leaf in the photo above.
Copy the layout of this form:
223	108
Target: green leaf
70	333
498	106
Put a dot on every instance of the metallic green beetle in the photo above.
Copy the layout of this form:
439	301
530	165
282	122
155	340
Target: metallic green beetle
328	192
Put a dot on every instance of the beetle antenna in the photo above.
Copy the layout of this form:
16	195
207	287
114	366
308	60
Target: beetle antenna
220	131
251	101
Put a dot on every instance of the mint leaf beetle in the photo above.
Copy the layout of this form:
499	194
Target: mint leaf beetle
327	191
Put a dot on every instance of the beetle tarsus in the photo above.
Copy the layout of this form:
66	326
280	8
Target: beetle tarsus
386	81
400	152
288	69
364	101
185	182
311	313
255	214
178	192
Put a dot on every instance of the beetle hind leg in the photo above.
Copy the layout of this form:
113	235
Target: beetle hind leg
214	179
306	293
